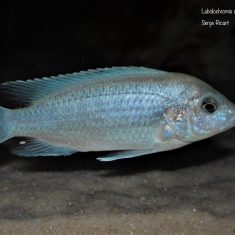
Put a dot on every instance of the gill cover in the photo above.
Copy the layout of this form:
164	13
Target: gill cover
178	119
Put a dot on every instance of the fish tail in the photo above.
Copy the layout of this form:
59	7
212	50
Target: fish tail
4	126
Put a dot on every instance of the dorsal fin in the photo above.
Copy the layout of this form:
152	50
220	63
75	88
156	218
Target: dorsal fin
26	92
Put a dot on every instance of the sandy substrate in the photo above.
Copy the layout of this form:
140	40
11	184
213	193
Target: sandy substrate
186	191
177	222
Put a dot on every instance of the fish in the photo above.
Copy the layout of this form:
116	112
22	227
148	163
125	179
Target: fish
130	111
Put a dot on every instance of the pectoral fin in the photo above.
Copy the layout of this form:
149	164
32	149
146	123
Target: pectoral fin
125	154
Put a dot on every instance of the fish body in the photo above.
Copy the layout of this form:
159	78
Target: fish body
135	110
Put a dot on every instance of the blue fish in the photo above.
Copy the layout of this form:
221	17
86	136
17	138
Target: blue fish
130	110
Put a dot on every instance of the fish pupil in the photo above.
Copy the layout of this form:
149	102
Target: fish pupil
209	105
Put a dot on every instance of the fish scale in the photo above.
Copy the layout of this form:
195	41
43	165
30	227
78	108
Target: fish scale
134	110
103	115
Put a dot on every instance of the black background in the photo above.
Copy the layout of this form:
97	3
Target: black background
41	39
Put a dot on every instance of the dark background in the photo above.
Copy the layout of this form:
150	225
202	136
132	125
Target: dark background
41	39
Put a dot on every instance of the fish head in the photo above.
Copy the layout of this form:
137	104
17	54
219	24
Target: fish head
205	113
210	114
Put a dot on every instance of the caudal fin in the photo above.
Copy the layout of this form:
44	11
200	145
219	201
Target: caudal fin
4	127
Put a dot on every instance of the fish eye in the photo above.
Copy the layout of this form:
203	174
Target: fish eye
209	105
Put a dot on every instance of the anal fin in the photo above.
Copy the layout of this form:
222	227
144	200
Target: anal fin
125	154
33	147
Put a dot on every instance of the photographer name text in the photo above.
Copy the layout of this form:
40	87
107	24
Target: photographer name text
219	13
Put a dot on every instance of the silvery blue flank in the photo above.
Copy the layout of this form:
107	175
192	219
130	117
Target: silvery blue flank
132	111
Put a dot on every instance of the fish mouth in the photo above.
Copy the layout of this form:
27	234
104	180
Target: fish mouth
231	122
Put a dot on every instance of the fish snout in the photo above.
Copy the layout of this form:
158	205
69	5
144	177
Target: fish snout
231	116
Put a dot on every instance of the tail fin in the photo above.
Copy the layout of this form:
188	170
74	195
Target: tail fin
4	126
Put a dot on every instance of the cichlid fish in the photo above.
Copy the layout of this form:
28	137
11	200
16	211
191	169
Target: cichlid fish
132	110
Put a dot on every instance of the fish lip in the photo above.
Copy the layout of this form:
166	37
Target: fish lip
231	121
